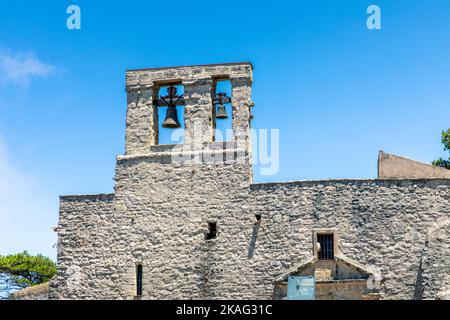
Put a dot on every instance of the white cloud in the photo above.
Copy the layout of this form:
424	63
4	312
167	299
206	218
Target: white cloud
27	213
21	68
12	180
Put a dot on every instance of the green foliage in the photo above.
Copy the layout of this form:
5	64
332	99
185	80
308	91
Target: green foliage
442	163
446	143
446	139
27	270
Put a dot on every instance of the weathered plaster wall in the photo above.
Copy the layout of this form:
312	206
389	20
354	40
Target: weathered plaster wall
38	292
391	166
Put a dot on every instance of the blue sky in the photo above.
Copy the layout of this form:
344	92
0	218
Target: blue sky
337	91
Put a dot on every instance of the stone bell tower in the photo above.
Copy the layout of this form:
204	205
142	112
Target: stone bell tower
177	210
199	84
164	231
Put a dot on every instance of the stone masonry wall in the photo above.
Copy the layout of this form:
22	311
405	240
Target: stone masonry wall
160	219
86	250
435	263
166	208
379	223
158	216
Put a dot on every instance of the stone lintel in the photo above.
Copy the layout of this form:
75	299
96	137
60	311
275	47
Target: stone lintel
165	155
87	197
189	73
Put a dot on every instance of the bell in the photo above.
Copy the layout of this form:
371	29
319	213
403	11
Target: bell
221	112
171	120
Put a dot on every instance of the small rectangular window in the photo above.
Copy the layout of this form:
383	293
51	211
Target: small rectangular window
212	231
325	243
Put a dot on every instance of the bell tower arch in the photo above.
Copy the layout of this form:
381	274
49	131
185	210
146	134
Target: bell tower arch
199	100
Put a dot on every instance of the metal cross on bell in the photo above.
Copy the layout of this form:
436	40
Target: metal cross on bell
220	99
171	100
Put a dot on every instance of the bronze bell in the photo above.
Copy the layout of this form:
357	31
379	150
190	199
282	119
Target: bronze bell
171	120
221	112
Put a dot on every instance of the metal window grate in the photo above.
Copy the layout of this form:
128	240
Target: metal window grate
326	242
139	280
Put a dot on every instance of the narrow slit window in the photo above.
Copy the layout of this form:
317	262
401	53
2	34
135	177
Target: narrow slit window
326	243
139	280
212	231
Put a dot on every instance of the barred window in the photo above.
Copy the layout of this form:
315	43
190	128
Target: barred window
326	242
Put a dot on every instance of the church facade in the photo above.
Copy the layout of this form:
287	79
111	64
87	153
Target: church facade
187	222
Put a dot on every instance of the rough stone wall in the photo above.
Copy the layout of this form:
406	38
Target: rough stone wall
160	220
141	118
167	208
435	263
379	223
86	250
